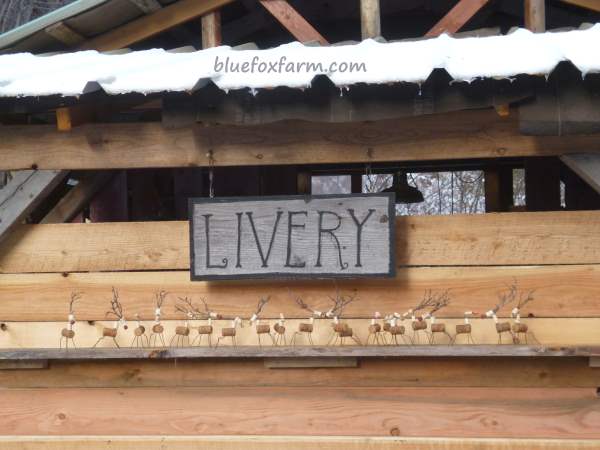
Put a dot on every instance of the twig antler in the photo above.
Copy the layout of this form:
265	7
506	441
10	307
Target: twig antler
339	303
186	307
115	304
505	297
74	297
523	300
160	298
441	300
260	306
428	301
300	302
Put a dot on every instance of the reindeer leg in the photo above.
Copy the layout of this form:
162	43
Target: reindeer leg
73	342
171	341
98	341
272	339
310	340
116	343
209	339
234	341
357	340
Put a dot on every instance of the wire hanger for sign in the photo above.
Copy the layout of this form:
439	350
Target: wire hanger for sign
211	174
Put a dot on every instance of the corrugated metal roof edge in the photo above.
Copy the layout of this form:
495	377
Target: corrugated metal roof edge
27	29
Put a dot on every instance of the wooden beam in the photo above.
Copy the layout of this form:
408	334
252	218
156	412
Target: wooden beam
411	412
293	21
152	24
587	166
211	29
147	6
562	291
550	238
110	442
588	4
535	15
290	354
457	17
502	372
370	19
65	34
23	193
468	134
78	197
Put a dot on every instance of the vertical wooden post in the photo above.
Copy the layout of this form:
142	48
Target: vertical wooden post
370	19
304	183
498	183
211	29
542	184
356	183
535	15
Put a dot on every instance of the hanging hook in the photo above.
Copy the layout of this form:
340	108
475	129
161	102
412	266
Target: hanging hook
211	164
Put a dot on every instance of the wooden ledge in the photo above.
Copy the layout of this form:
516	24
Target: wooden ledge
468	351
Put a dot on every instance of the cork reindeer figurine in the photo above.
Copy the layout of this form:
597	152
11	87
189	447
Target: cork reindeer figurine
504	298
157	328
341	330
418	323
182	332
392	325
376	336
230	332
205	330
305	328
116	312
464	329
140	338
261	328
521	330
68	333
279	329
442	300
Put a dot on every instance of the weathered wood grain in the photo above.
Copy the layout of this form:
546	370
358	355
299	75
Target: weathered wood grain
297	25
549	332
548	372
460	240
413	412
293	237
292	353
287	442
468	134
457	17
561	291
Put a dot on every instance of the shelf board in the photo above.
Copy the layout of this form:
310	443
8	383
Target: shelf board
468	351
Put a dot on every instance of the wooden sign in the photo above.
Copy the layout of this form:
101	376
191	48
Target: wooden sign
332	236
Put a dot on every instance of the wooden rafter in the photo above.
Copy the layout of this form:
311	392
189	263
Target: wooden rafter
65	34
457	17
211	29
23	193
587	166
152	24
78	197
293	21
594	5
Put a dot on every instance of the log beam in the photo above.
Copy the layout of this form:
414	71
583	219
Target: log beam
535	15
457	17
152	24
587	166
461	135
297	25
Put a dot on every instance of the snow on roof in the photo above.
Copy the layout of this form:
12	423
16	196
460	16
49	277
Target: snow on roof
520	52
